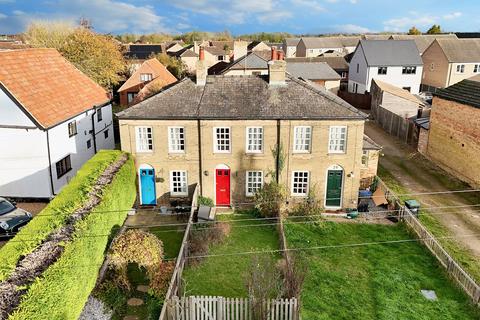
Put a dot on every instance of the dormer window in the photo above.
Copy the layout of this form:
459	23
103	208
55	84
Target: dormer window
144	77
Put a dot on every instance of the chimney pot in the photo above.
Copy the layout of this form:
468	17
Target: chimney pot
274	53
201	53
280	55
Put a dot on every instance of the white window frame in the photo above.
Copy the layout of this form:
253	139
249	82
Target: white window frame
257	144
147	146
381	73
460	68
476	68
144	77
255	181
365	158
183	183
330	138
215	140
299	148
297	194
174	140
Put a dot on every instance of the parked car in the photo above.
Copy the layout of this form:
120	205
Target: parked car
12	219
426	96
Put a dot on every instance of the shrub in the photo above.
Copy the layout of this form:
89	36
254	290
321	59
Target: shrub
263	282
135	246
294	275
64	287
310	206
205	201
161	279
206	235
269	199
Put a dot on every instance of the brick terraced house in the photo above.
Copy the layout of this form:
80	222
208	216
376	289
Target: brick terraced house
220	132
454	130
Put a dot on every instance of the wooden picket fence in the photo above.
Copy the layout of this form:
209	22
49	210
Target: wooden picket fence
221	308
453	268
465	281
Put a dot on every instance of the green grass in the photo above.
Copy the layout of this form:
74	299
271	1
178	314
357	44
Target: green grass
172	239
462	255
224	276
374	281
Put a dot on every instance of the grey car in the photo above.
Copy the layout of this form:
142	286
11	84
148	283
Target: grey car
12	219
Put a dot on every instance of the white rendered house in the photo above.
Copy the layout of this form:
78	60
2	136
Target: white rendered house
396	62
53	119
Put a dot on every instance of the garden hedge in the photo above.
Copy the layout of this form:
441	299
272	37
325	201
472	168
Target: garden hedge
63	289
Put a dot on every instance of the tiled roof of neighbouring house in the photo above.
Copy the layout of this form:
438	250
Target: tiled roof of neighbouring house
391	52
337	63
423	41
312	71
253	60
153	67
330	42
243	97
47	86
461	50
464	92
292	42
143	51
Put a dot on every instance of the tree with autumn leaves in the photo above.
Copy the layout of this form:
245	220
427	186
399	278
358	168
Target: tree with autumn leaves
96	55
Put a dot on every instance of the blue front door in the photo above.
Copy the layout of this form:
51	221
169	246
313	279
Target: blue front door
147	184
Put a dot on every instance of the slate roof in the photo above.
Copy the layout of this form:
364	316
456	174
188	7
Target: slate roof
369	144
216	51
461	50
312	70
48	87
243	97
464	92
423	122
391	52
337	63
423	41
253	60
397	91
185	52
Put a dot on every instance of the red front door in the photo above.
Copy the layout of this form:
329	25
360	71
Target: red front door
222	187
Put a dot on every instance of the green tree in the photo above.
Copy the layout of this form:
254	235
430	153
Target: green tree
174	65
435	29
414	31
96	55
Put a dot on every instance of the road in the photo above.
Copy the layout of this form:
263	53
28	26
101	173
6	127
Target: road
418	175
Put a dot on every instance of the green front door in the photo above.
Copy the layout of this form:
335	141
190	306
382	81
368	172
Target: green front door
334	188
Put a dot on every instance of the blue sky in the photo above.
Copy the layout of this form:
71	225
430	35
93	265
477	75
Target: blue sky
246	16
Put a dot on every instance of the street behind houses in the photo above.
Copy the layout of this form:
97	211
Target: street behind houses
418	175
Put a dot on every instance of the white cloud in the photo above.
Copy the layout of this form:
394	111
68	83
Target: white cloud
311	4
105	16
2	16
182	26
351	28
400	24
236	11
452	15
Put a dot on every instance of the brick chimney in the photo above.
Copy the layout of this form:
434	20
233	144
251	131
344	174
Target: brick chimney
277	68
201	68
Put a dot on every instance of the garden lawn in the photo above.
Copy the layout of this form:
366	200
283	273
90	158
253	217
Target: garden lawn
373	281
171	237
224	276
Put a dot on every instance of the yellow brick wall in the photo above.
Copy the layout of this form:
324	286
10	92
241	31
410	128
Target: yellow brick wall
316	162
454	139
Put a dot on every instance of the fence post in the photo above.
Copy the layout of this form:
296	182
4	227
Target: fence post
220	308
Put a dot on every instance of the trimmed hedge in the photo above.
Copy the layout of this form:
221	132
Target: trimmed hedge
63	289
54	214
